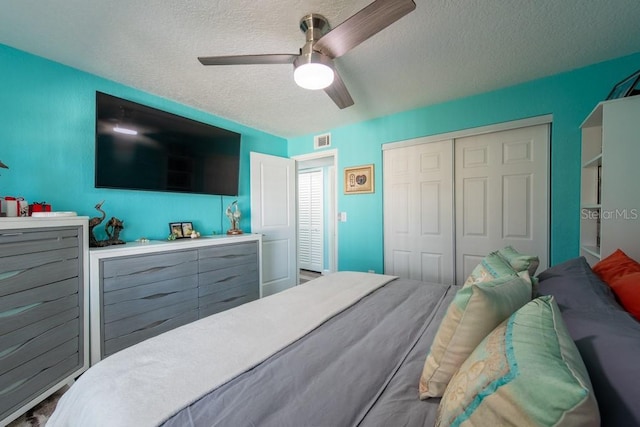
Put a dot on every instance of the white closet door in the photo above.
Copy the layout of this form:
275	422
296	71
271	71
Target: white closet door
418	212
311	220
501	195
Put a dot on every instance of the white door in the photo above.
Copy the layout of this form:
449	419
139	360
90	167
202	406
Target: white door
273	214
501	195
418	212
311	220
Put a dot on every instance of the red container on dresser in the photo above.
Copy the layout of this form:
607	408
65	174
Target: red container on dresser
39	207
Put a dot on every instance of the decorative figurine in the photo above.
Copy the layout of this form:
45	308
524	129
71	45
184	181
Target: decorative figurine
233	213
116	226
112	228
93	222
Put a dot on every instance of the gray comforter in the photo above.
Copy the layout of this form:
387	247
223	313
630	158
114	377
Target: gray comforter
360	367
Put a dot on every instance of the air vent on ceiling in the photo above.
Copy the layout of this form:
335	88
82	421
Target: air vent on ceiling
322	141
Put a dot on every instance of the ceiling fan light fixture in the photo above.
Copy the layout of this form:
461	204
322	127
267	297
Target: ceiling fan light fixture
313	76
313	71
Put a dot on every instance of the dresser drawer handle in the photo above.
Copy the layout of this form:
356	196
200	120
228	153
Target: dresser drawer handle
9	274
151	270
232	298
226	279
156	296
151	325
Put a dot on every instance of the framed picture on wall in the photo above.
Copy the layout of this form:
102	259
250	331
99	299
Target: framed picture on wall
627	87
359	179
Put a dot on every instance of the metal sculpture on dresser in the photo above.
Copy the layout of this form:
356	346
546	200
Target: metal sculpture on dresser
233	213
113	228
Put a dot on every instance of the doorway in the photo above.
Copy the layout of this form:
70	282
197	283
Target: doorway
317	212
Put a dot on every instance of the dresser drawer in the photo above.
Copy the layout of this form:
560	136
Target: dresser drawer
27	381
21	309
227	288
141	299
245	273
30	259
132	271
34	241
222	256
36	355
22	344
36	275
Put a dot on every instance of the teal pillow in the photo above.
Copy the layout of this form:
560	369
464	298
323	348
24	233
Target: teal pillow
520	262
491	267
526	372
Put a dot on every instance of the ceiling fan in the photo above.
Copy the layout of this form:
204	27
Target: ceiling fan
313	65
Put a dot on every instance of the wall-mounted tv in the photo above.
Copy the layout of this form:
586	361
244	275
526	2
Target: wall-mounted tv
142	148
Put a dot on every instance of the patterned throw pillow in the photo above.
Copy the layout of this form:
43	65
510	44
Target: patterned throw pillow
520	262
527	372
474	312
491	267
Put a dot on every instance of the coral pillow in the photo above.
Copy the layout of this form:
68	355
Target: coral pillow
616	265
627	290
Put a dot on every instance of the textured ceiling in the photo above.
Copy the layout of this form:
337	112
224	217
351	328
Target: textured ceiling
445	49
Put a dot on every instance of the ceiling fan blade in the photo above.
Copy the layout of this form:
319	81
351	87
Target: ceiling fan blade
338	92
247	59
373	18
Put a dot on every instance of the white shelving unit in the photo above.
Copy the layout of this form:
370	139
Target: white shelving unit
610	197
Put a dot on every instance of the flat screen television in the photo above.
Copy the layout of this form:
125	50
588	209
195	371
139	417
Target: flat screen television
142	148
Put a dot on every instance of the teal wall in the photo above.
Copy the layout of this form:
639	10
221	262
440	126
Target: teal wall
47	131
47	136
569	97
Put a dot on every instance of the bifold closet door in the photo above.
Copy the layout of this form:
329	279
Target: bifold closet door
418	212
311	220
501	185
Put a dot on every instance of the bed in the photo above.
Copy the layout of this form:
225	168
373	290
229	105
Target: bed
354	360
348	349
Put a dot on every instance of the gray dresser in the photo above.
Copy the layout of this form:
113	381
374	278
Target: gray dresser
43	309
141	290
